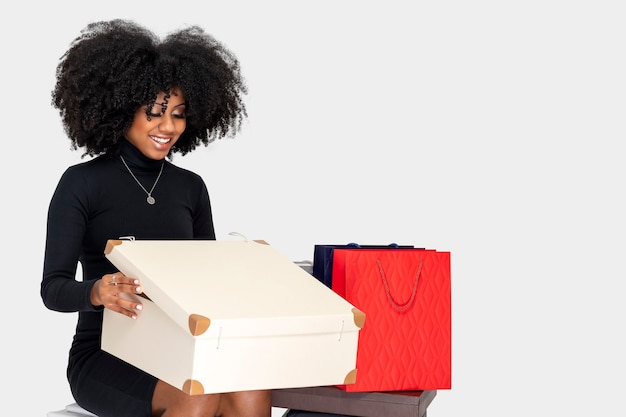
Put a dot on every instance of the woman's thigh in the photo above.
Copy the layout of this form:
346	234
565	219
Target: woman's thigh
108	386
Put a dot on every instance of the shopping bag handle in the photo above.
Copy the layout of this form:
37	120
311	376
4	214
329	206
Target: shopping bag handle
357	246
394	303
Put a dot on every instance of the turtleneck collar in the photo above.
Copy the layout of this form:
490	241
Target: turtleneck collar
135	159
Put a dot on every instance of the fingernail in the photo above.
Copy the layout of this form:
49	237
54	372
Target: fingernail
138	289
139	307
136	282
133	317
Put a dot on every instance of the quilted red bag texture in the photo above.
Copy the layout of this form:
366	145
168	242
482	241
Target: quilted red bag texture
405	294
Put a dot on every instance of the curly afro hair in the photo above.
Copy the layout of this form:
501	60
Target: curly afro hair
114	67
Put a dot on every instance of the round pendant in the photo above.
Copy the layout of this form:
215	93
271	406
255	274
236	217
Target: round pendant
150	200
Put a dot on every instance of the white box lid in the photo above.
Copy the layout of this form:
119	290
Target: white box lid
216	288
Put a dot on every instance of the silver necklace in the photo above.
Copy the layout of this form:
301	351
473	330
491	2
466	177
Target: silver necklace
149	199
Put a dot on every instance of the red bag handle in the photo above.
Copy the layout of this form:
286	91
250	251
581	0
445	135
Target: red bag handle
394	303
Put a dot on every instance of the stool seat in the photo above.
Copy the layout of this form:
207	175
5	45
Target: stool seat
71	410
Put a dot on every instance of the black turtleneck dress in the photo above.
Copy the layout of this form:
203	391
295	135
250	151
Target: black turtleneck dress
96	201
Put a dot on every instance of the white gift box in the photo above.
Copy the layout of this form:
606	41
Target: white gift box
223	316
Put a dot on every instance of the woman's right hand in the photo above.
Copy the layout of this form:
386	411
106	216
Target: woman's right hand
106	292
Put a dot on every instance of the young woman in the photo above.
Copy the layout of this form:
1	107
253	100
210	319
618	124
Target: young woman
131	100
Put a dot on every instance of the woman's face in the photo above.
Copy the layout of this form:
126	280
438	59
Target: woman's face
156	136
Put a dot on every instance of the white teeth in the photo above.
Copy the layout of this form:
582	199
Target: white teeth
160	140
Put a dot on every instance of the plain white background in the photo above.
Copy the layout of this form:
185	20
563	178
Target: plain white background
489	129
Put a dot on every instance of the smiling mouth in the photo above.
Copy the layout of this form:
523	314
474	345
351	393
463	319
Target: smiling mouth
162	141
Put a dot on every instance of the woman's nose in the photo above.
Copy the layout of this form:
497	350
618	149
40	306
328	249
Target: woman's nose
167	124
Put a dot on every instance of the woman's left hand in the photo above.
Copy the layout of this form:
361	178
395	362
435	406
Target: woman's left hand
107	290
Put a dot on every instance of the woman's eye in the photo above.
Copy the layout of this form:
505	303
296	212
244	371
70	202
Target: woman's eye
179	115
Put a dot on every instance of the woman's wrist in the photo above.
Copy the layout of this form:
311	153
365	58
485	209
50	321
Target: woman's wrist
95	293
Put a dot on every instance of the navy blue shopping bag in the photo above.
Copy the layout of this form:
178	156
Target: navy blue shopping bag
323	258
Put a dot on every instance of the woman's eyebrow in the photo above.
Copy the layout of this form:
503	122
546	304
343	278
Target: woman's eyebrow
167	104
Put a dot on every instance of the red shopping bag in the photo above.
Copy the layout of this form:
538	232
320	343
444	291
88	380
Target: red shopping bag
405	294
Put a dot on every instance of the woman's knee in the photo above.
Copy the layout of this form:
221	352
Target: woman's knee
169	401
246	403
